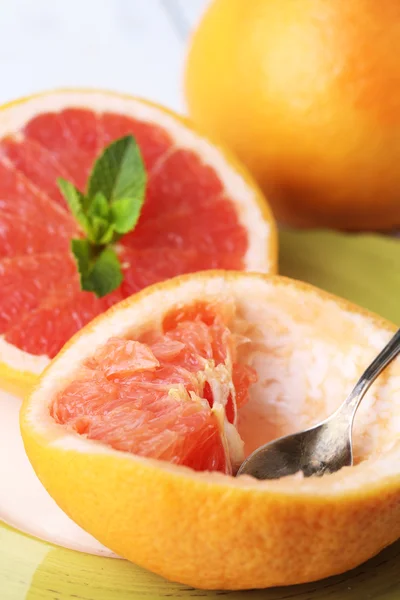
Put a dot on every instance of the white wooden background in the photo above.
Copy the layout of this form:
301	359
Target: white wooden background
134	46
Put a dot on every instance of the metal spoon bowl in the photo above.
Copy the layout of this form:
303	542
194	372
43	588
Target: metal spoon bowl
326	447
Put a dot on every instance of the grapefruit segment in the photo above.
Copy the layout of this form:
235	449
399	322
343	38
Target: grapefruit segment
181	180
170	399
84	131
72	137
37	164
24	280
142	421
154	141
20	200
30	236
59	315
186	229
143	267
120	357
30	221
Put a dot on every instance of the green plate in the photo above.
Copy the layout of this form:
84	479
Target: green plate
364	269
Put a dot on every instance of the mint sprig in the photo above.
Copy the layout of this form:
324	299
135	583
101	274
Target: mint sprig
110	208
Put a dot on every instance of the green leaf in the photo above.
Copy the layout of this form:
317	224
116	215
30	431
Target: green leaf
125	213
108	236
101	229
101	232
82	250
75	200
105	274
119	172
100	273
98	207
111	207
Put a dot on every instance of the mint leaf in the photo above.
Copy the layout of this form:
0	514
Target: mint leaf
82	250
101	232
119	172
105	275
75	200
100	227
110	208
98	206
100	273
125	213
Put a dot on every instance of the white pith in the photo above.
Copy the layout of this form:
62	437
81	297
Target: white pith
20	360
220	380
302	360
15	116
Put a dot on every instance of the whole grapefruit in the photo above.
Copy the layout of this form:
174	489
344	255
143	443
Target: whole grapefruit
307	93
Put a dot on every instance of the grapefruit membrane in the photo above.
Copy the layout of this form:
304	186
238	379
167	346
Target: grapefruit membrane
158	400
201	211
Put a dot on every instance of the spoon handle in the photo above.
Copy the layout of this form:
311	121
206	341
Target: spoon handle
389	352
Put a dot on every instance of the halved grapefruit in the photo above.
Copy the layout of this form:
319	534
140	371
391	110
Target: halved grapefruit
138	425
201	211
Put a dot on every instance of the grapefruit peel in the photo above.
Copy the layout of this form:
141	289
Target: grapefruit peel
208	529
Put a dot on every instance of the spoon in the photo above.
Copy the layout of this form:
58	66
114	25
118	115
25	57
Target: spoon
326	447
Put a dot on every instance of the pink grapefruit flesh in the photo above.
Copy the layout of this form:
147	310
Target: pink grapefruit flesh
188	222
172	395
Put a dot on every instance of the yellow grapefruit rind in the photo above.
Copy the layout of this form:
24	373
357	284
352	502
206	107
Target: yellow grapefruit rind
18	371
19	383
210	530
307	95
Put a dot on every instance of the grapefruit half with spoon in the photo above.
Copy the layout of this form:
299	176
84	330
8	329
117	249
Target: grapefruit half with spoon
201	211
138	425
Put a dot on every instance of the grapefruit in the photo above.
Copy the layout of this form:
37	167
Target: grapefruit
307	93
138	425
201	211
